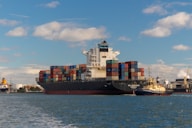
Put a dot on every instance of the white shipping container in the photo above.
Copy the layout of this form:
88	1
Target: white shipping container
138	73
77	66
132	70
82	76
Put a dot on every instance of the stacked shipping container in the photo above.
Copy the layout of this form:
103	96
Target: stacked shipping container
62	73
135	73
44	76
124	70
114	71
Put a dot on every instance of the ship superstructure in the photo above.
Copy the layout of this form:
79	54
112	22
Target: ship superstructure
96	60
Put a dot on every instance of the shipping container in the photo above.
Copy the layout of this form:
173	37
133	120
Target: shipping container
111	61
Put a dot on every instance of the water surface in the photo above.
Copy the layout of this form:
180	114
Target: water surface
95	111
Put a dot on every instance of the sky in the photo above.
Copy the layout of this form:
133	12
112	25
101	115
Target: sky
35	35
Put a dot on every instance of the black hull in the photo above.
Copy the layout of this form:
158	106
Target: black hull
182	90
4	90
141	92
90	87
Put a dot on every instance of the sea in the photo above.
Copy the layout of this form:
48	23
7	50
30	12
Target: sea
38	110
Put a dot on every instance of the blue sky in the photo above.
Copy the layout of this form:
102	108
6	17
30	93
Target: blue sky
37	34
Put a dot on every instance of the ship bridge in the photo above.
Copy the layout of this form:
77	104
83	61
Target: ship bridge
97	57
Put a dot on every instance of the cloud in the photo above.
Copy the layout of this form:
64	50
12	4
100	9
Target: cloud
181	19
189	59
6	22
179	3
68	32
181	47
166	71
3	59
52	4
5	49
162	8
123	38
182	73
17	54
18	15
160	69
165	26
160	61
30	70
19	31
22	75
157	32
155	9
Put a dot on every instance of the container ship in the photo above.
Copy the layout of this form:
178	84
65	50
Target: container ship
103	74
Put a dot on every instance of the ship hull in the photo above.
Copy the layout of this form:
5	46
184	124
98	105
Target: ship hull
89	87
142	92
4	88
182	91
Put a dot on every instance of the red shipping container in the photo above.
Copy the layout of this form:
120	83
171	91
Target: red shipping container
141	69
112	73
126	65
116	65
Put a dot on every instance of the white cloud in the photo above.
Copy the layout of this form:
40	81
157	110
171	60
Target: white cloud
164	26
123	38
19	31
5	49
155	9
162	70
19	15
52	4
182	73
22	75
160	61
6	22
3	59
166	71
179	3
17	55
189	59
157	32
181	19
30	70
68	32
181	47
